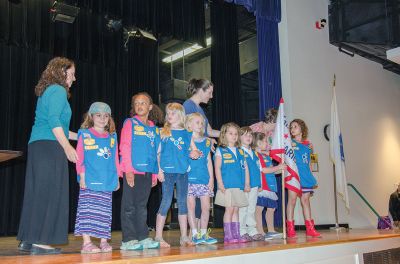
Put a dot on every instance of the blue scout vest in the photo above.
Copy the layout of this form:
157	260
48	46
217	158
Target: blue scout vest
270	177
198	173
302	154
100	168
254	169
145	141
233	168
174	156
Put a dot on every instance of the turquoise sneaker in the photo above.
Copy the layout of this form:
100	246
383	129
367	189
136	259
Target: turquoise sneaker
149	243
208	239
131	245
197	239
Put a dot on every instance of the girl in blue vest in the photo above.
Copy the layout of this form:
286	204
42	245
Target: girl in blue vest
267	197
140	139
233	180
302	151
98	170
201	180
247	219
174	155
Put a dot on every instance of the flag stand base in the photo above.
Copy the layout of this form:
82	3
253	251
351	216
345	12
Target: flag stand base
338	228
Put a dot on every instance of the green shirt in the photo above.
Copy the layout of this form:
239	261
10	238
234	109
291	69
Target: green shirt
52	110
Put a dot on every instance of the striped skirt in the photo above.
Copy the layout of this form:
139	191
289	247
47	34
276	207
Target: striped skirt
94	214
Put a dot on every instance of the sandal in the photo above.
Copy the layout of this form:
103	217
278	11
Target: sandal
90	248
258	237
163	243
105	247
186	242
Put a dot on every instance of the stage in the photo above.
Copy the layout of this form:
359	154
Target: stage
333	247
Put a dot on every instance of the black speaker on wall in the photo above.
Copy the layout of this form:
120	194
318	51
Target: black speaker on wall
366	27
368	21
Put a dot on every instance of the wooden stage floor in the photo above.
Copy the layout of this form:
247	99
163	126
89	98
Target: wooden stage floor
10	254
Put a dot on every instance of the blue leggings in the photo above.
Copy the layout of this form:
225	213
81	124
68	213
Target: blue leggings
181	181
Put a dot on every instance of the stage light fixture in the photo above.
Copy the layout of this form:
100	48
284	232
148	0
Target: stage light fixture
112	24
63	12
139	34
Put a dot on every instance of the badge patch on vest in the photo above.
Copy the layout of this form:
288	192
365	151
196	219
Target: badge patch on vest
112	142
104	152
89	141
92	147
227	156
229	161
177	142
241	152
208	143
139	128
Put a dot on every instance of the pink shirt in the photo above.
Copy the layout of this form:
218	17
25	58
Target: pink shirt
80	165
125	147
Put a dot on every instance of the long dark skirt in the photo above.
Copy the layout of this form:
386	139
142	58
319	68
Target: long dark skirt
44	218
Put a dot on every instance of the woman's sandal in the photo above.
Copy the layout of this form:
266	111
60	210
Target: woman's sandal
105	247
163	243
90	248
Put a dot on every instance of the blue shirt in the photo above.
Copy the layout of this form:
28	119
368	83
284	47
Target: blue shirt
191	107
254	168
270	178
302	154
145	140
52	110
174	157
233	168
99	154
198	173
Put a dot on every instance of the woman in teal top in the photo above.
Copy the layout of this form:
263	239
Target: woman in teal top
44	217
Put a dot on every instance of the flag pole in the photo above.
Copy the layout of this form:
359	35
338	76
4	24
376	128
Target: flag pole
283	201
336	227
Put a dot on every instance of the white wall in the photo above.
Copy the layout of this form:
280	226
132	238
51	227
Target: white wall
368	99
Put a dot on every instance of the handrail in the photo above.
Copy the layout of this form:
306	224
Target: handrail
365	200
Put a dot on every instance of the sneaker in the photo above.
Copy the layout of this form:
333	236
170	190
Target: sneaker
208	239
272	235
198	239
131	245
149	243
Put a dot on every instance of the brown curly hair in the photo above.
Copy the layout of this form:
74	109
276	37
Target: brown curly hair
303	127
271	115
55	73
156	114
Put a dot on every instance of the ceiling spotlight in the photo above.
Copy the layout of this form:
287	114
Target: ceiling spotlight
63	12
113	25
139	34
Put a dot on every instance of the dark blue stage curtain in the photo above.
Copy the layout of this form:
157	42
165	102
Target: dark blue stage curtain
105	71
268	15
